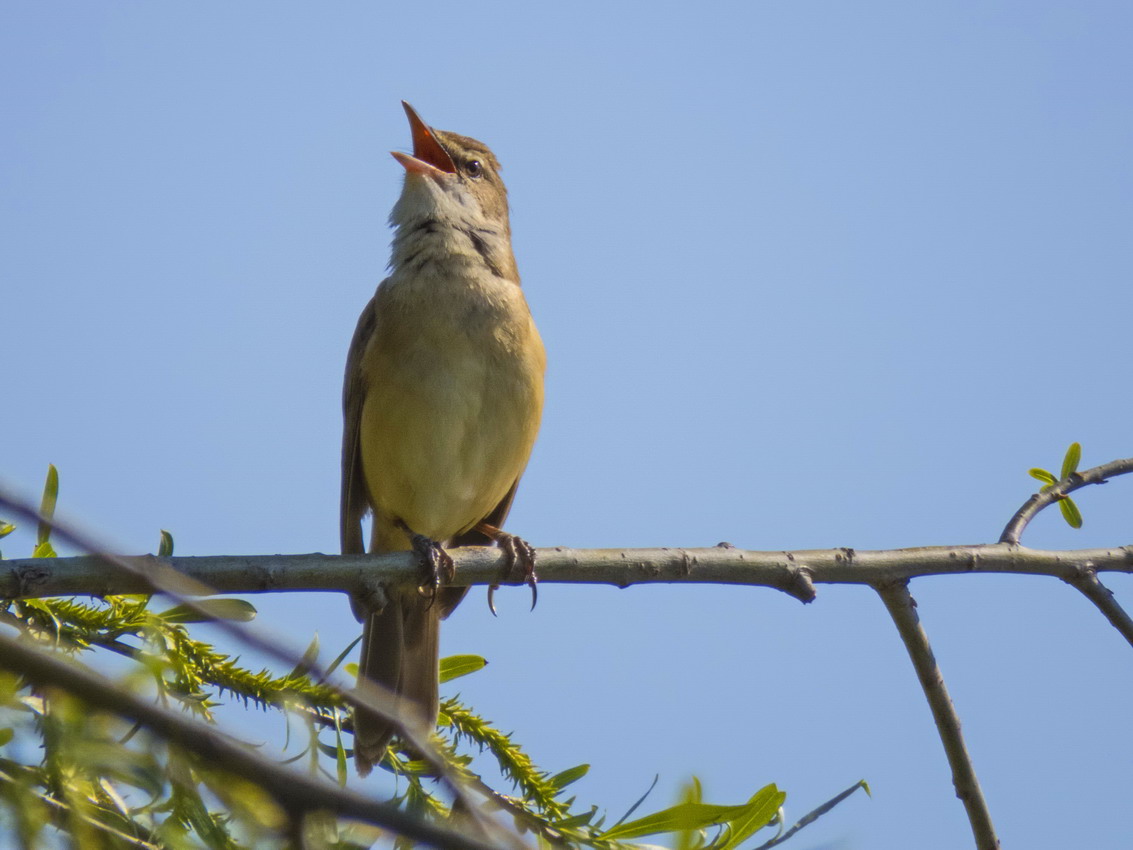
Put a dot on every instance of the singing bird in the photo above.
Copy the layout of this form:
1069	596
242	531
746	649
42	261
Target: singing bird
442	401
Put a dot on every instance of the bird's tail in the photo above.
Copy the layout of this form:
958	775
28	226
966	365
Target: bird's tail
399	651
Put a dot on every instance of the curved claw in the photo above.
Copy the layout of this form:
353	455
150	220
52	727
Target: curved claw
491	599
519	555
435	561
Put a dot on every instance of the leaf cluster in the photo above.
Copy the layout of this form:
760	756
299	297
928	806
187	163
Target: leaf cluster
1070	461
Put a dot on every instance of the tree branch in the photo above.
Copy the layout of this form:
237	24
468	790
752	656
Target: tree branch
794	573
1059	491
903	609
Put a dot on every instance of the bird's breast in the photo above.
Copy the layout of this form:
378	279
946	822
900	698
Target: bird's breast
455	395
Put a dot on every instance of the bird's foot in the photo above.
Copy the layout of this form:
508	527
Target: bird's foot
520	562
435	562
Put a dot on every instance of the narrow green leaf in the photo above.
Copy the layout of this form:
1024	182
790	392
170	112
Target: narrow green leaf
1070	462
340	752
239	610
1042	475
165	547
6	735
564	778
6	528
417	767
197	815
675	818
47	505
760	810
455	666
310	656
1070	513
338	660
576	820
690	839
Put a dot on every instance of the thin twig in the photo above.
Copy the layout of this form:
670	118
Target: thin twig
1056	492
811	816
903	609
295	792
1090	585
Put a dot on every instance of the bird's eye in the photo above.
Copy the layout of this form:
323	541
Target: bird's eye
473	168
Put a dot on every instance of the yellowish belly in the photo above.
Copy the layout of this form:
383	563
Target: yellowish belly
445	434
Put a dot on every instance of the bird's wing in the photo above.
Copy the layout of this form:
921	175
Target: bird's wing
355	495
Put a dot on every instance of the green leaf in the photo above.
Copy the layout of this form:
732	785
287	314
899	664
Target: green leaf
310	656
238	610
456	666
1042	475
6	528
576	820
339	752
572	774
1070	462
47	505
165	547
338	660
43	550
759	811
6	735
197	815
691	816
1070	512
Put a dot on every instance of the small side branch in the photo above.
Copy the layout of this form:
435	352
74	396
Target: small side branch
1059	491
1090	585
903	609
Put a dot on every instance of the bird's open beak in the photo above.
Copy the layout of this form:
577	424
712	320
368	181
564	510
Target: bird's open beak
429	157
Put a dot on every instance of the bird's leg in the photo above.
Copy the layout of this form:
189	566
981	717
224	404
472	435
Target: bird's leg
436	562
520	555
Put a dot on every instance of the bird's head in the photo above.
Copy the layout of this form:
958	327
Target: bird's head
451	179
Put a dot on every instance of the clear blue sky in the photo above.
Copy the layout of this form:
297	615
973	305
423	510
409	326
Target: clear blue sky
809	274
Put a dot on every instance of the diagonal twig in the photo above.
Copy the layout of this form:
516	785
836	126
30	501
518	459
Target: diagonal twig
1086	580
811	816
903	609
